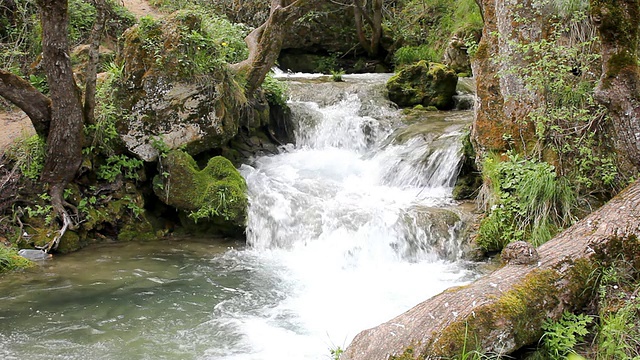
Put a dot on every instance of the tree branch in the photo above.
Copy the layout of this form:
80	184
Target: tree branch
23	95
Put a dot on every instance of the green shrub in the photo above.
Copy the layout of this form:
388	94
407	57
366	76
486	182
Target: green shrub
407	55
526	200
431	23
192	42
275	90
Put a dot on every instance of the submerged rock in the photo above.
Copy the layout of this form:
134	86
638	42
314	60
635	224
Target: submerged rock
426	84
33	254
217	192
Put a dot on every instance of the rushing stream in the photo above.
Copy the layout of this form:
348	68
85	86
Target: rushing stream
348	228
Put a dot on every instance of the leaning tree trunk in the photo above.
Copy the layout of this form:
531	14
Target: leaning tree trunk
505	310
265	42
64	143
619	87
23	95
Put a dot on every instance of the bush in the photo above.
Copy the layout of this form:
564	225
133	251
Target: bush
29	154
407	55
526	201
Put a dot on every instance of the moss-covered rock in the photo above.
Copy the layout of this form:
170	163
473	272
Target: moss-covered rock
216	192
175	88
426	84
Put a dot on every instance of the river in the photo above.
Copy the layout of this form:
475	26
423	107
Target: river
349	227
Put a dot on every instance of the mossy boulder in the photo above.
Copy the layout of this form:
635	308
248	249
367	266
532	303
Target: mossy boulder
424	83
218	192
176	90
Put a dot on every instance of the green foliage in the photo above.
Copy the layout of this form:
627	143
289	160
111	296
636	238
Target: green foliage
336	75
619	333
560	70
526	201
562	336
336	352
10	260
407	55
119	165
275	90
82	15
39	82
192	42
430	24
29	155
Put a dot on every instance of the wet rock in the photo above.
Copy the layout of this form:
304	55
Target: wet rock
426	84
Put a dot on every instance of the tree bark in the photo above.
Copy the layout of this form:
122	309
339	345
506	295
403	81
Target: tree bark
20	92
265	42
372	45
64	143
505	310
619	85
92	64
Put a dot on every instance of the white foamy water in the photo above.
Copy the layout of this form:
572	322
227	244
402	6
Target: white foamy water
330	214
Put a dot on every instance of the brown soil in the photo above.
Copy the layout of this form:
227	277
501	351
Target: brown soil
14	125
141	8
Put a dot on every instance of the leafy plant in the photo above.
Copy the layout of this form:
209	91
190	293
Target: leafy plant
525	199
619	335
29	154
336	76
119	165
275	90
561	337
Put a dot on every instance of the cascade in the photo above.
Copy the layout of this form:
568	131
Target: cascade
347	228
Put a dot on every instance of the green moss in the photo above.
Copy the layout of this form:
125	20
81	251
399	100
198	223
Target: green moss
408	354
138	231
218	190
619	62
69	243
425	84
520	309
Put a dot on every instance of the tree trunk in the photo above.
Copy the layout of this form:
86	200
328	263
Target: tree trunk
20	92
505	310
372	45
265	42
64	143
619	85
92	64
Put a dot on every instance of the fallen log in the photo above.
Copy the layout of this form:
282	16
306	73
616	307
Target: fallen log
505	310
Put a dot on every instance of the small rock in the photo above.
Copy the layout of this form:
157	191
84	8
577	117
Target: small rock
520	253
32	254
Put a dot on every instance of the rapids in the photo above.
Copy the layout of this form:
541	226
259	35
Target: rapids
347	228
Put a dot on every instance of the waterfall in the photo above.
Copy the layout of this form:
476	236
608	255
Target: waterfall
358	213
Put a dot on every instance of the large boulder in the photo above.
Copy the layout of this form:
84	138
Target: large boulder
218	192
168	104
424	83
